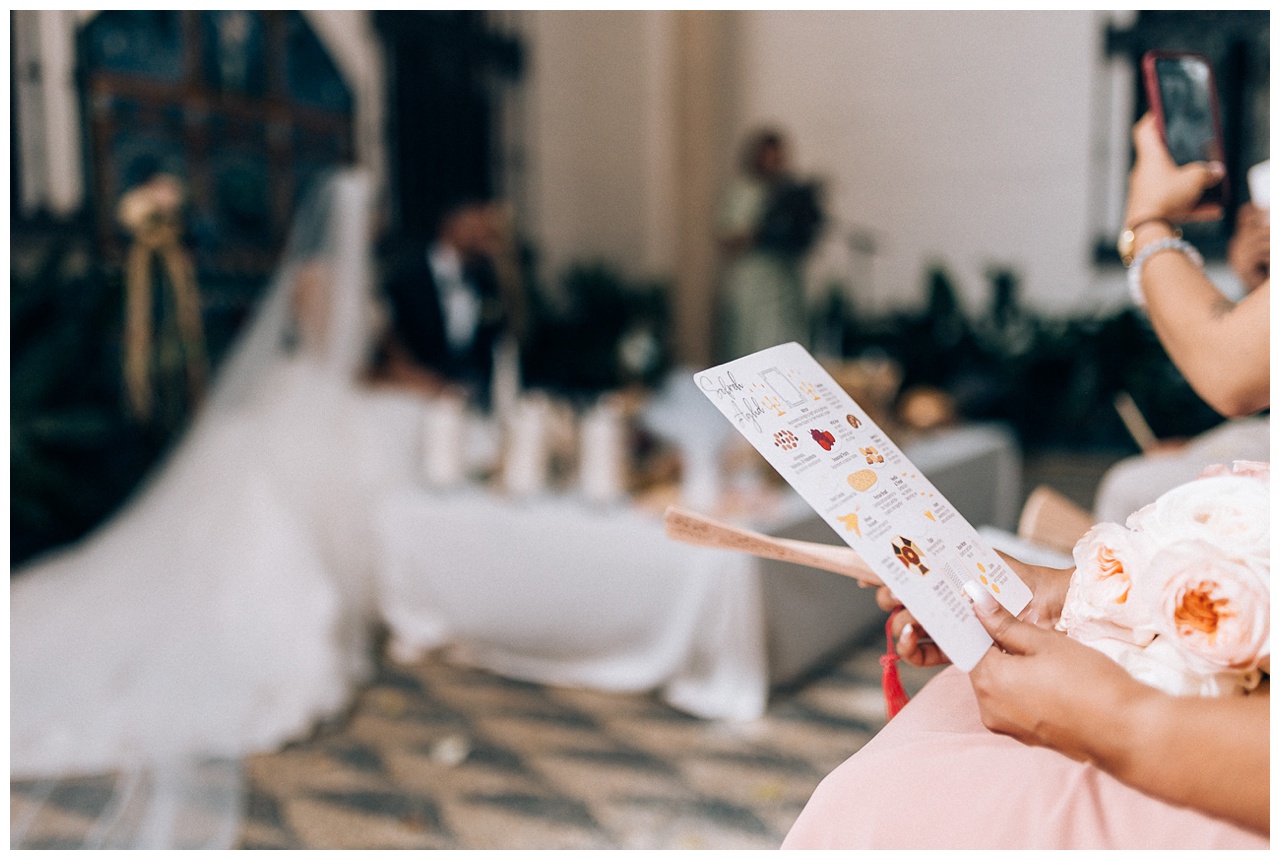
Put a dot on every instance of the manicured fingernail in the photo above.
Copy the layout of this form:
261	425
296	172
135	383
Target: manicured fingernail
983	599
907	630
1217	168
1032	617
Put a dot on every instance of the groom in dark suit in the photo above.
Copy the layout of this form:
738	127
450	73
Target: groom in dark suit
446	308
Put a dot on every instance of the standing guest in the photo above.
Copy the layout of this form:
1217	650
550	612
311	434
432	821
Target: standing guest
447	310
767	222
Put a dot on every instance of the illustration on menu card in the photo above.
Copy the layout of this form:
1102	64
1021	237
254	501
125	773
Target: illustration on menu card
823	438
850	521
854	476
909	555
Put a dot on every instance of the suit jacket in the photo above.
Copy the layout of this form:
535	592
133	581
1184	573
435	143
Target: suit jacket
418	321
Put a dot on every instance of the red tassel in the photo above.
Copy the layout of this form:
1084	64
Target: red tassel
895	697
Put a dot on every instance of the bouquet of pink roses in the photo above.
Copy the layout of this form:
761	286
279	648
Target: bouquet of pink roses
1180	595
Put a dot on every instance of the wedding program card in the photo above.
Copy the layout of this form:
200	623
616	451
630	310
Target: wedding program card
866	489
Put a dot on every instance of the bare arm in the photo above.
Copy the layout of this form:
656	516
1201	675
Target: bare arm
400	369
1045	689
1249	251
1211	754
1221	348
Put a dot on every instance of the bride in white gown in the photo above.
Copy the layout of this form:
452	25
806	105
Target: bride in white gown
226	607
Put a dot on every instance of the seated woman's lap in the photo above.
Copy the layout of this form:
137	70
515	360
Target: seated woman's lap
934	777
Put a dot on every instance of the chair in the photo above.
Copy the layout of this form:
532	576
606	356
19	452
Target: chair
1051	520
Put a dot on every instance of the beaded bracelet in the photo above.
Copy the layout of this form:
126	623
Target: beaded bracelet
1169	244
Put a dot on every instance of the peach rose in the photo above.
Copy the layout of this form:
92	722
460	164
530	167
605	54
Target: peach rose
1108	595
1218	610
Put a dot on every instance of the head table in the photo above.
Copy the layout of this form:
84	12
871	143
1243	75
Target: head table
557	590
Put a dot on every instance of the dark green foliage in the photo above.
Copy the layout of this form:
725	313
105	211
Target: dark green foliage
599	331
73	455
1054	380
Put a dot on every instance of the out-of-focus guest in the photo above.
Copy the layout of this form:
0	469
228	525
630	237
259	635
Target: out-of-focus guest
767	221
446	305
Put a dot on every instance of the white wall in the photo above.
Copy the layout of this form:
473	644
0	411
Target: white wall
963	137
971	138
599	139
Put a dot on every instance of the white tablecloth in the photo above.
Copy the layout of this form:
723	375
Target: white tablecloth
553	590
550	590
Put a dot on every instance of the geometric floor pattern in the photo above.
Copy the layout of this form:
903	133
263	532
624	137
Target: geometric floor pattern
432	755
439	756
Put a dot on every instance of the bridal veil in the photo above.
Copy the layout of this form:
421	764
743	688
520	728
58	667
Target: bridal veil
226	607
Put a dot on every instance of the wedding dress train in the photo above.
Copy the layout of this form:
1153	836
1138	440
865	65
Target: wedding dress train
227	607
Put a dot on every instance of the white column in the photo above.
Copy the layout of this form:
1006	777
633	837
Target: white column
356	52
64	178
29	110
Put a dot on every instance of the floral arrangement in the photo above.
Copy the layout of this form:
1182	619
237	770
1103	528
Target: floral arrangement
157	201
1180	595
151	213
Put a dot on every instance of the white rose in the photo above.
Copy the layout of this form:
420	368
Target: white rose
1162	665
1217	610
1109	595
1248	468
1232	512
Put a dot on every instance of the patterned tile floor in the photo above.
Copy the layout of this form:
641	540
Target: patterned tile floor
432	755
437	756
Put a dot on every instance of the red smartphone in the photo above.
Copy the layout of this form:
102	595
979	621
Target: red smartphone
1183	97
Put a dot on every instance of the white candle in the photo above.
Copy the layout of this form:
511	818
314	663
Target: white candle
602	457
524	470
443	461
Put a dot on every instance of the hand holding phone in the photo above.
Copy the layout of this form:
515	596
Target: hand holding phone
1184	101
1160	190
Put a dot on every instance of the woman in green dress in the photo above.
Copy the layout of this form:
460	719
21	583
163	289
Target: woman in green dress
762	301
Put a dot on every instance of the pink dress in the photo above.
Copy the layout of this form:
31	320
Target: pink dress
934	777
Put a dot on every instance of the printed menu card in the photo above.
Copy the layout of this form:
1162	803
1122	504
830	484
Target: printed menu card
840	462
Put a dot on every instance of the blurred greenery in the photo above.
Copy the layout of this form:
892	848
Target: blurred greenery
595	331
73	455
1054	380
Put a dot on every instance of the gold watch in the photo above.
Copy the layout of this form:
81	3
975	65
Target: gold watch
1125	246
1127	238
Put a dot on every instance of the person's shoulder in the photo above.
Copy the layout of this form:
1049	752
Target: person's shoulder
404	261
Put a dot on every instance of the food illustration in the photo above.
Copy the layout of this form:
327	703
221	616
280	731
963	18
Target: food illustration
853	420
986	581
862	480
785	439
851	521
823	438
907	553
874	457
